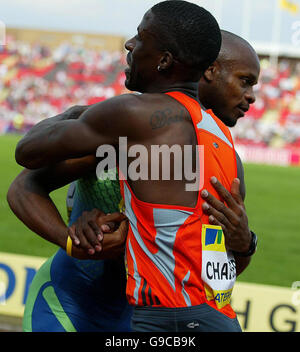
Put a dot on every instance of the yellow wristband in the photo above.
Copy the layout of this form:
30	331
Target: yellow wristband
69	246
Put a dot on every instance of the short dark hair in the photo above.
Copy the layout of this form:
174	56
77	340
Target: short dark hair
189	32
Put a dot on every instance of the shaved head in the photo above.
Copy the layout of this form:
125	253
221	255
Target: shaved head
227	85
234	48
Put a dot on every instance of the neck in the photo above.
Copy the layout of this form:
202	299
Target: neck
188	88
204	95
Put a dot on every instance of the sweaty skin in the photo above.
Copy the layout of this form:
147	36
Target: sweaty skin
132	109
104	123
95	132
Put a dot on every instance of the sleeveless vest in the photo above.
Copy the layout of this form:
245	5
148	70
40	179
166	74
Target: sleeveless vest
174	257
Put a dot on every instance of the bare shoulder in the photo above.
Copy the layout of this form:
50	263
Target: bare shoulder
160	114
111	108
113	116
117	108
135	103
140	116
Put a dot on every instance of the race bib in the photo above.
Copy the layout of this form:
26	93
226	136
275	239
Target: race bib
218	266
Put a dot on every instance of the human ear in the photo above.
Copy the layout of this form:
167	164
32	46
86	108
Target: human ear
210	72
165	61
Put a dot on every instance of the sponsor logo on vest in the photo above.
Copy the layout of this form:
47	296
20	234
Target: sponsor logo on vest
216	271
218	266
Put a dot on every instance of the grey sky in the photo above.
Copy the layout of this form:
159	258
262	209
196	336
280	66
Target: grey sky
255	22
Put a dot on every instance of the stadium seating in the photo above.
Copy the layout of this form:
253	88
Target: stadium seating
274	119
37	82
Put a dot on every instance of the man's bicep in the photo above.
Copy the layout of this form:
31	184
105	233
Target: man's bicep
61	140
63	173
115	118
101	124
55	176
81	139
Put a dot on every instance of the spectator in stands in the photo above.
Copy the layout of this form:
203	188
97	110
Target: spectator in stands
36	81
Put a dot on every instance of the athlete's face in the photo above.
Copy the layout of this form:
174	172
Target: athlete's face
234	89
143	56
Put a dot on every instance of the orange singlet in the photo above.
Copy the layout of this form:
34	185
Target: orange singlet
174	257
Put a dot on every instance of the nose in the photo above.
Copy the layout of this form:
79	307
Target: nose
250	96
129	45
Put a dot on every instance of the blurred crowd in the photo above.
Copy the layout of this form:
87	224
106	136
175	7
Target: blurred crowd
274	119
38	82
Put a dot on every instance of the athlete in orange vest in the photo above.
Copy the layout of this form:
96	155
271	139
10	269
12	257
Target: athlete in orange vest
175	258
168	55
222	81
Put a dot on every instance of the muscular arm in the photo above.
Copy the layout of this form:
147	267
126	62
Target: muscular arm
45	148
28	197
54	140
